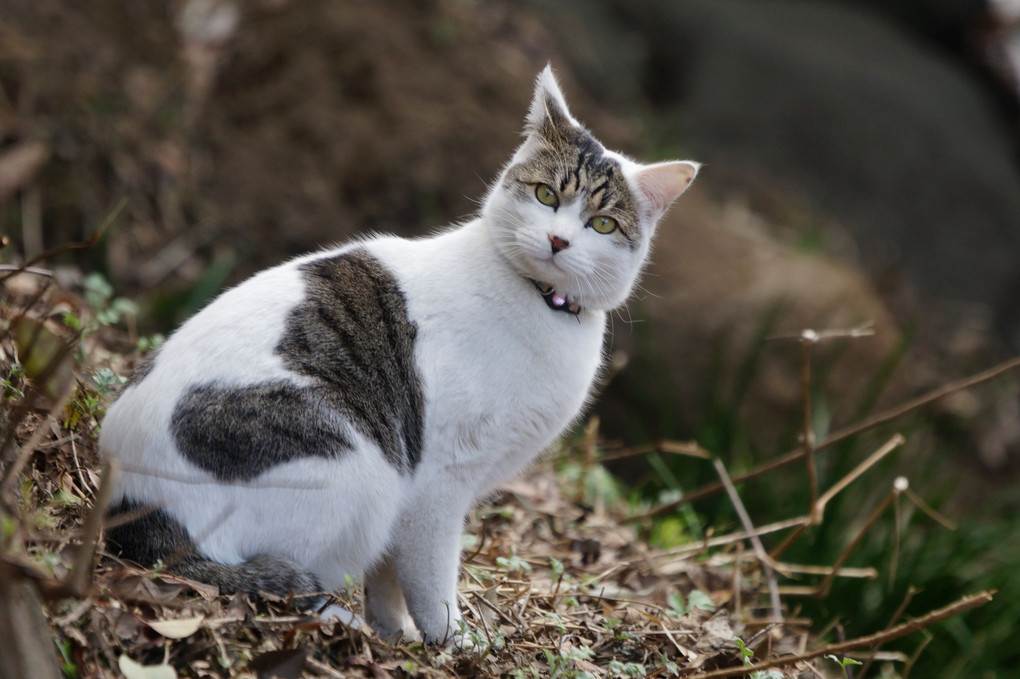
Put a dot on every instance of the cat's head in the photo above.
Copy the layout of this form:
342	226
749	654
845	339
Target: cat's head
569	213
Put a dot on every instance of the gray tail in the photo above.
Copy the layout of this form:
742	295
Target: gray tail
156	537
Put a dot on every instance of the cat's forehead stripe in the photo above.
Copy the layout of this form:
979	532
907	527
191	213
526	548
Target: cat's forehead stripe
577	165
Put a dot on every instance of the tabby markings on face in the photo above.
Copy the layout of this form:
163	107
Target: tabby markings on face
570	162
352	336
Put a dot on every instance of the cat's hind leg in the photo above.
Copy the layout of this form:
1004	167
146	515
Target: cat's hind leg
156	537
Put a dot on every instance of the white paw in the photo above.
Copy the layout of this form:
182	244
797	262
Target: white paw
346	617
461	638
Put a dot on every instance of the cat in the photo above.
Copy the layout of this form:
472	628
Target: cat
339	414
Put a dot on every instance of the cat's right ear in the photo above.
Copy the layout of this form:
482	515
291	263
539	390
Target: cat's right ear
548	112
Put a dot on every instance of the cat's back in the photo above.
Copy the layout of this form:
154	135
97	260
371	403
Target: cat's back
233	341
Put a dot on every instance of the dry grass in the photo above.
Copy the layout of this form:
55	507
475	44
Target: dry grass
555	582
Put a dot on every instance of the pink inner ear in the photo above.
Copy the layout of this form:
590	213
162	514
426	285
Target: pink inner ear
662	183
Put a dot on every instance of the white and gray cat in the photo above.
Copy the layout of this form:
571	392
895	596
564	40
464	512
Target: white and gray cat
339	414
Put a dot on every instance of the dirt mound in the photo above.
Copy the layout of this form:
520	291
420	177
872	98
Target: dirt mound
245	134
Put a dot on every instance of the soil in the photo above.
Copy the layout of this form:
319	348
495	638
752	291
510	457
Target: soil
305	125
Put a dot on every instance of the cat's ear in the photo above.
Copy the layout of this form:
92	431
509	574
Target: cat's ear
548	110
662	183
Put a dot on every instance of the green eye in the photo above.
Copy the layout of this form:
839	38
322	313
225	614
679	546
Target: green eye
546	196
603	224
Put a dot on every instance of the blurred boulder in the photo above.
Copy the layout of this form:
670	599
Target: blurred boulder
885	129
714	330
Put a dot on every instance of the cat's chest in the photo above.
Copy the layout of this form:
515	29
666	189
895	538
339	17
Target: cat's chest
502	373
498	393
509	363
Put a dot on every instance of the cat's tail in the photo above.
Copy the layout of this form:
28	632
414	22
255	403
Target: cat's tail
263	573
155	537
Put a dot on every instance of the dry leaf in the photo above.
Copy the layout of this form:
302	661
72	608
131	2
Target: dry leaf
133	670
181	628
280	664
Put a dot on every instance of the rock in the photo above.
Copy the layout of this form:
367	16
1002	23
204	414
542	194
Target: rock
898	142
720	285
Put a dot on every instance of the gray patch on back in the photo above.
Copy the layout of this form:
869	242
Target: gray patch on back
238	433
353	336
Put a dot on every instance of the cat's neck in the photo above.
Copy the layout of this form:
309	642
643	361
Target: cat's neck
468	261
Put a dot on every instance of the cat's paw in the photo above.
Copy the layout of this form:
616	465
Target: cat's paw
339	613
405	634
398	627
460	637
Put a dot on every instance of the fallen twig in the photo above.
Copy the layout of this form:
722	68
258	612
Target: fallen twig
901	630
837	437
767	563
90	242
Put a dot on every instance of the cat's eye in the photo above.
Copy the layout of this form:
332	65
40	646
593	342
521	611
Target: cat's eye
546	196
603	224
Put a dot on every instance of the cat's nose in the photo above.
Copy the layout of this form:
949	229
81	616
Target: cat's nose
558	243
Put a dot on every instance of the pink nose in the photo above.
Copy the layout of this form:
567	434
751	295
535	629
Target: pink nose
558	243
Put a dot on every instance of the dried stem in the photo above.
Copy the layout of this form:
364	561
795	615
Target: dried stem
823	588
818	509
807	434
892	619
892	444
902	630
837	437
767	563
83	245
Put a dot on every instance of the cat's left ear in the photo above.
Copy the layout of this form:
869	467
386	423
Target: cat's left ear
662	183
548	110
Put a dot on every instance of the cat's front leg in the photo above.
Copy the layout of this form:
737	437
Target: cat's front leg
427	560
384	601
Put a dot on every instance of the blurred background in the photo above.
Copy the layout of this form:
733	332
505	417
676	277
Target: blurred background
861	169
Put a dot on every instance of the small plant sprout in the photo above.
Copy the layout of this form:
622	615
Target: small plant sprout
627	669
612	626
671	667
843	662
513	564
678	608
150	343
747	655
106	381
556	569
560	665
557	573
13	382
109	310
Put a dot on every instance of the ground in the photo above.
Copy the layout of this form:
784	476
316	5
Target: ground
559	578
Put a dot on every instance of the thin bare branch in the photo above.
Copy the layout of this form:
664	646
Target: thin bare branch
83	245
837	437
892	444
807	433
767	564
823	588
962	605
